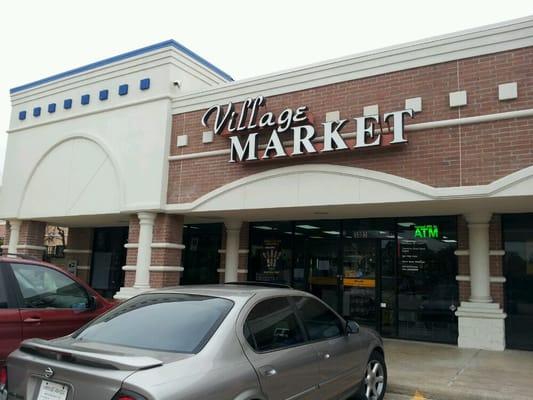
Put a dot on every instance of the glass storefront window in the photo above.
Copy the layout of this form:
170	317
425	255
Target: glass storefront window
394	274
271	251
518	270
427	290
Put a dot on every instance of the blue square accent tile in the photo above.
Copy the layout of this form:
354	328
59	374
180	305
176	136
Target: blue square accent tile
85	99
67	104
145	84
22	115
123	90
104	94
37	111
52	108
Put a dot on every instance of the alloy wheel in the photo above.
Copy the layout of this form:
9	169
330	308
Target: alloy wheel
374	380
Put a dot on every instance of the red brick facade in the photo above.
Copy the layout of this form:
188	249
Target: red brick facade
168	230
453	156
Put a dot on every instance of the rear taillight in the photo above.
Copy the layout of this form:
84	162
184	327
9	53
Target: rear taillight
128	395
3	378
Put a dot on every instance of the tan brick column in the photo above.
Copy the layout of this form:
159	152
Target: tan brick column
26	238
131	251
167	246
79	250
242	271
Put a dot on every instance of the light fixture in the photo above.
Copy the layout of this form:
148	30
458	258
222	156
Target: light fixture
264	227
307	227
332	232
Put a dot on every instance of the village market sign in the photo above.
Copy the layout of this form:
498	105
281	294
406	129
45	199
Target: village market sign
292	132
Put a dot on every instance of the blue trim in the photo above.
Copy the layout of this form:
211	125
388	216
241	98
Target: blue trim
104	94
67	104
22	115
144	84
85	99
123	90
124	56
52	108
37	112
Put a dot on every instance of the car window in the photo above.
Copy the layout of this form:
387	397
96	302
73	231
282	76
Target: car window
182	323
319	321
43	287
3	291
272	324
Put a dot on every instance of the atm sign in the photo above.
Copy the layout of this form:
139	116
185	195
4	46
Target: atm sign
427	231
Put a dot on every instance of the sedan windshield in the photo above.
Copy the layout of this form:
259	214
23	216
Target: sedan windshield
181	323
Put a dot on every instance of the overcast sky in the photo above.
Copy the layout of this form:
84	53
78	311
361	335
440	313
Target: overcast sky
244	38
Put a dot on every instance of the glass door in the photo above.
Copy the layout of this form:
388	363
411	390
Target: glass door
317	257
359	283
200	257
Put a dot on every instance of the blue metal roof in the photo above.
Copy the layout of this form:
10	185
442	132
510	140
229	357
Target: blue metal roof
129	54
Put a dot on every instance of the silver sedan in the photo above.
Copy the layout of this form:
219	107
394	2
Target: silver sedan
218	342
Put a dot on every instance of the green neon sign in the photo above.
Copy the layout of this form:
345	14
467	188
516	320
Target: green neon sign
427	231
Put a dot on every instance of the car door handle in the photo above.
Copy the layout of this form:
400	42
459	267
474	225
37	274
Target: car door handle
32	320
268	371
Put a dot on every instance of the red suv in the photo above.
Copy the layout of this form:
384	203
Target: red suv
39	300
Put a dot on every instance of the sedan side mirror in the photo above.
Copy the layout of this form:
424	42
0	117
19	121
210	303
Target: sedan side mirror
92	303
352	327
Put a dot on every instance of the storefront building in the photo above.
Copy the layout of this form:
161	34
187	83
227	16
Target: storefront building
397	185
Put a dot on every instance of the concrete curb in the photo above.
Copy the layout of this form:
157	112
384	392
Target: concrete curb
448	393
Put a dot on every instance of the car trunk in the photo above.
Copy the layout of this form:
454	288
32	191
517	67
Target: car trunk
69	372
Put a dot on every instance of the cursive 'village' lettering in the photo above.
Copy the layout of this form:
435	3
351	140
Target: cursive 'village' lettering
247	118
291	133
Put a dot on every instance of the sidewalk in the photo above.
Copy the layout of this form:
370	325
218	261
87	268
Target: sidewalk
444	372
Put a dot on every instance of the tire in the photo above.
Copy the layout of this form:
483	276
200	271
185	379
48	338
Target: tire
376	375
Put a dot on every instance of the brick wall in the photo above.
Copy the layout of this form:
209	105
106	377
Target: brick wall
131	253
32	234
467	155
168	229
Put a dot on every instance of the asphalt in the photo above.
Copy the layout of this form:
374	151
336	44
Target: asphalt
418	371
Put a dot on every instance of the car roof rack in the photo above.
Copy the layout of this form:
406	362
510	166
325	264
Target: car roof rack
258	283
23	256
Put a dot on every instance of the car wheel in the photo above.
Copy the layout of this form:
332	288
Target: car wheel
375	380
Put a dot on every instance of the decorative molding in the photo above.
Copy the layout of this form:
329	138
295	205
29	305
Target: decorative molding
493	279
81	251
168	246
155	268
91	112
497	252
126	56
239	271
131	245
165	268
461	253
241	251
30	247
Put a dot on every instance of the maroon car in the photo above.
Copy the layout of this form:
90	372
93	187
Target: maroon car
40	300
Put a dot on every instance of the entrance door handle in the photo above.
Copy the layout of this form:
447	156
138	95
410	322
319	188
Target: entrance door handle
32	320
326	356
268	370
